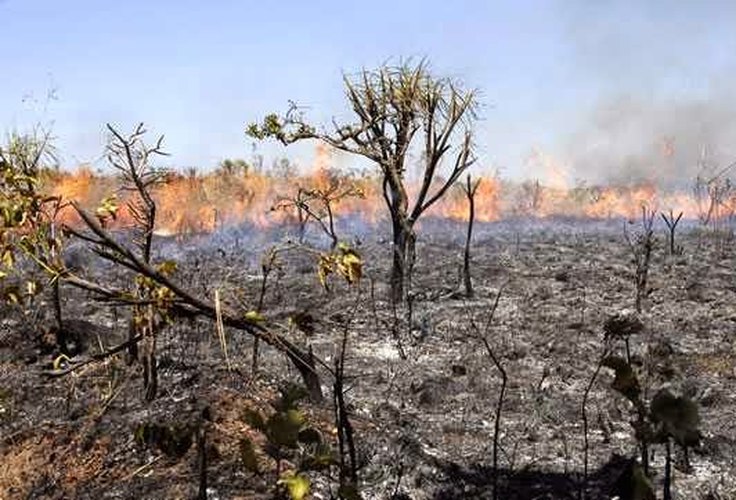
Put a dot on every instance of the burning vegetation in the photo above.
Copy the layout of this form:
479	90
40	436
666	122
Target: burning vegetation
201	202
488	350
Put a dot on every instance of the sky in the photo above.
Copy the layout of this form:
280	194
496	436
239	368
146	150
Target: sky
596	87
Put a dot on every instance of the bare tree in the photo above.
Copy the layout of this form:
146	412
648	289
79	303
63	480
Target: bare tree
398	110
470	188
318	204
641	246
671	221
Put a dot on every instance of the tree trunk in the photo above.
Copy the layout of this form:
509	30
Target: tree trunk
411	256
398	264
404	255
466	256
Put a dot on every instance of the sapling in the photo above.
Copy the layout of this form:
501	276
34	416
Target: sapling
483	337
671	221
665	418
29	221
584	413
131	157
641	247
348	462
470	189
288	435
318	204
674	419
622	327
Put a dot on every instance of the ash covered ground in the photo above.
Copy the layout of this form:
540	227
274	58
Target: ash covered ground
424	424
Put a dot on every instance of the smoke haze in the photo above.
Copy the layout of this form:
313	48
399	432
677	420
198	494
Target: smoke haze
663	103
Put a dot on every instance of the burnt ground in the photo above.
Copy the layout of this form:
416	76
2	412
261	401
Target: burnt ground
424	424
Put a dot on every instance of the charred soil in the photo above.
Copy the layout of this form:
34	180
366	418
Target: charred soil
424	421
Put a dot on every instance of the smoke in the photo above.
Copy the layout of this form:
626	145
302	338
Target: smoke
668	142
657	80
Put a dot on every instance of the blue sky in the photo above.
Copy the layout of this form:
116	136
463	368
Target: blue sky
549	72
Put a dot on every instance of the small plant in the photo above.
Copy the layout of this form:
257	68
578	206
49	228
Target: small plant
29	229
642	246
28	216
288	437
318	204
715	196
665	419
617	327
269	263
483	337
344	261
172	439
622	327
347	452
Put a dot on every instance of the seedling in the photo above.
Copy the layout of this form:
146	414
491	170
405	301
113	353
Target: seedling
667	417
288	435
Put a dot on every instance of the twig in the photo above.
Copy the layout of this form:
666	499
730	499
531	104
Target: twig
584	411
504	381
221	329
93	358
143	467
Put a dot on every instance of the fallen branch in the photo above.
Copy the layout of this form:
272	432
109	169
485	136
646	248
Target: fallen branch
91	359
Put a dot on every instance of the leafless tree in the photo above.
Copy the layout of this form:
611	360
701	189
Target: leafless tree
318	204
641	246
470	188
671	221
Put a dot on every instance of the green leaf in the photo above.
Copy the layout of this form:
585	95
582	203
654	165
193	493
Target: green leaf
291	394
304	321
254	317
283	428
625	380
167	267
325	267
60	361
108	208
350	264
622	326
676	417
7	258
320	457
297	484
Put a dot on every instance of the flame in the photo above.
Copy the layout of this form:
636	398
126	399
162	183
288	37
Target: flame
203	202
487	199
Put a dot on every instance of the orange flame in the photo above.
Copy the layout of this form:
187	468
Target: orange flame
201	203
